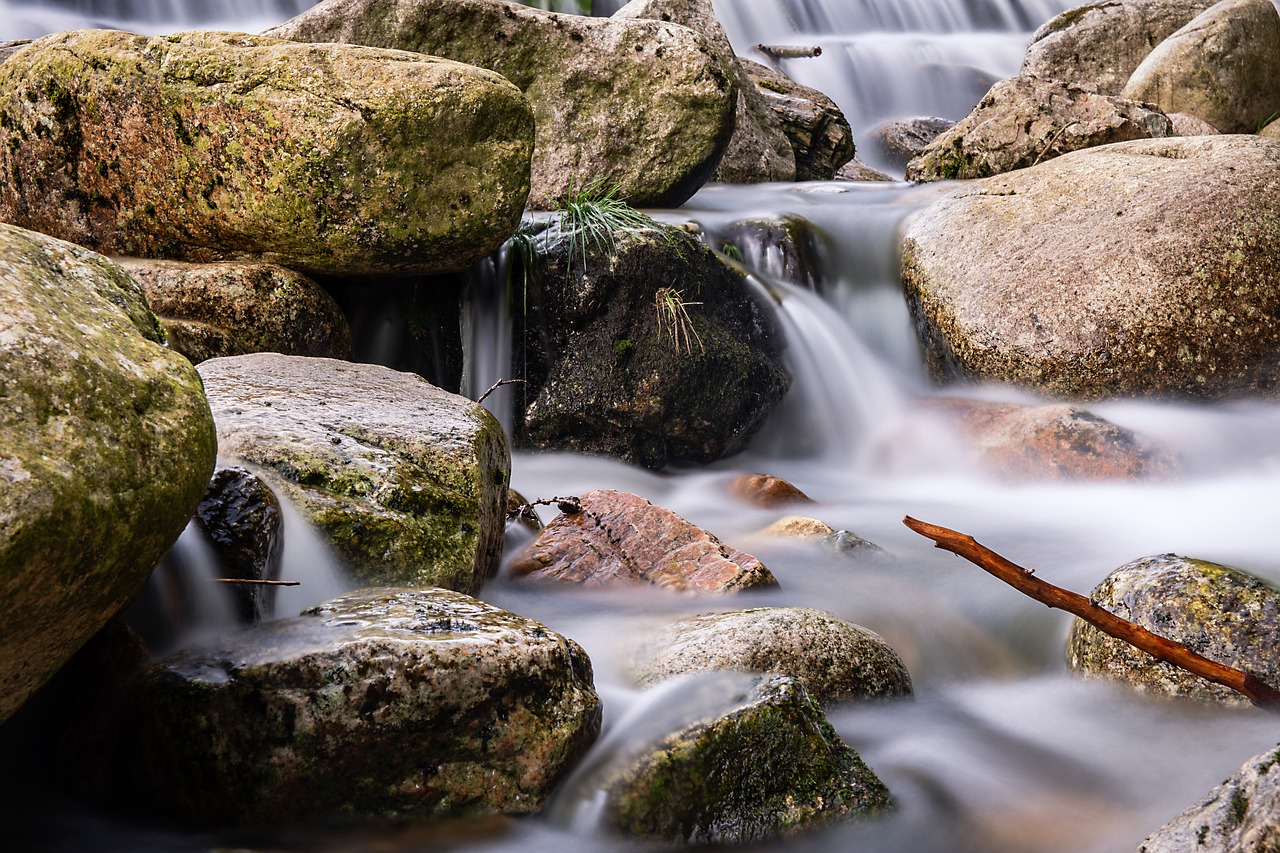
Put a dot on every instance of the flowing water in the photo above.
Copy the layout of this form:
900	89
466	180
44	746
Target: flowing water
1001	749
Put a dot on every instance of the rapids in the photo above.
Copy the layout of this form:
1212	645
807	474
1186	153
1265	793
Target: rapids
1001	749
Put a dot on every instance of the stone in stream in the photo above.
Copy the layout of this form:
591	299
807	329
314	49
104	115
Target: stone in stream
843	542
835	660
214	310
241	519
1145	268
643	106
1222	67
767	491
899	141
1219	612
385	701
406	482
616	538
106	445
212	146
819	133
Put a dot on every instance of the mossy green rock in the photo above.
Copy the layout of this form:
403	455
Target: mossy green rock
644	105
383	702
212	146
405	481
106	447
1146	268
1221	613
1222	67
771	766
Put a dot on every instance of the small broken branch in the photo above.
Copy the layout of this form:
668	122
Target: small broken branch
495	386
569	506
257	582
1161	648
785	52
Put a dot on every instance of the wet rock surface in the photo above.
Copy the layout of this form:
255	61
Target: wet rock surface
820	136
843	542
241	517
902	140
767	491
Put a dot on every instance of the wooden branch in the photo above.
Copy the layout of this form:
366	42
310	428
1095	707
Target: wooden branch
788	52
1161	648
501	382
258	582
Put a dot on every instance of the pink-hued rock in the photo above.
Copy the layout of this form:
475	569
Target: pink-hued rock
620	538
767	491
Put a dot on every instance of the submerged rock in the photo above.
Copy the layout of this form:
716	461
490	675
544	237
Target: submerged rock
767	491
241	519
835	660
819	133
1221	613
902	140
1223	67
787	246
1025	120
619	538
642	105
106	445
380	702
215	310
841	541
1145	268
405	481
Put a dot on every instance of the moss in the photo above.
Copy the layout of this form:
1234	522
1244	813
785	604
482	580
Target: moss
1071	16
1238	808
773	86
624	347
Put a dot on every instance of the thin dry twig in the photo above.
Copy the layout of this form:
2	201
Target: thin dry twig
257	582
495	386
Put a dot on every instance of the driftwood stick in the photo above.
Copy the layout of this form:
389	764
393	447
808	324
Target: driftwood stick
258	582
1024	580
500	383
787	52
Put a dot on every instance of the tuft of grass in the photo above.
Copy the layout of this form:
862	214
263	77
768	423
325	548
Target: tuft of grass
674	321
591	214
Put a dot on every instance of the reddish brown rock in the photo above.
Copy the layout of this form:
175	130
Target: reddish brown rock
620	538
767	491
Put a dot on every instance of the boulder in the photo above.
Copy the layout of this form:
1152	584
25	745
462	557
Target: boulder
406	482
642	344
1188	125
381	702
819	133
106	445
900	141
856	170
1271	131
835	660
1242	815
841	541
609	538
215	310
1023	121
1146	268
784	246
213	146
1222	67
766	491
642	105
1100	44
241	519
758	151
1221	613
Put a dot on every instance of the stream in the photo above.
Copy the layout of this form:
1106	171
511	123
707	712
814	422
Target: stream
1001	749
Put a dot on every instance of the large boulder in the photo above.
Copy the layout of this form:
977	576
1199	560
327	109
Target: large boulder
642	344
643	105
1025	120
1100	44
231	308
1222	67
819	133
1221	613
406	482
106	446
1146	268
207	146
381	702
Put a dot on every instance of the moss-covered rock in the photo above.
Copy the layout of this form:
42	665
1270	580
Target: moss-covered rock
644	105
231	308
1146	268
1223	67
820	136
383	702
208	146
406	482
1221	613
106	446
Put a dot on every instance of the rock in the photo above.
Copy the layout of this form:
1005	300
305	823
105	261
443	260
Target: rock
1189	125
215	310
380	702
786	246
1140	269
213	146
1026	120
1242	815
1053	442
1271	131
405	481
642	105
1222	67
835	660
9	48
758	151
819	133
902	140
1100	44
619	538
856	170
771	766
766	491
840	541
106	445
644	346
1219	612
520	513
241	519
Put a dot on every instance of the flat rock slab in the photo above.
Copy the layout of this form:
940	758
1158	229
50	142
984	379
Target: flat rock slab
213	146
407	482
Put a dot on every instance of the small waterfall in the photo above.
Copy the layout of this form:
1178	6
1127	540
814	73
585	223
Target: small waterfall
486	336
307	559
34	18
